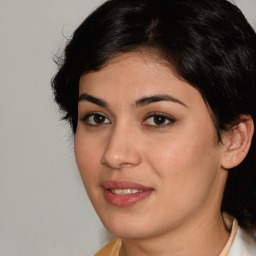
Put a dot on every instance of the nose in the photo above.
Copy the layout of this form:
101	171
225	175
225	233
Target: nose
122	149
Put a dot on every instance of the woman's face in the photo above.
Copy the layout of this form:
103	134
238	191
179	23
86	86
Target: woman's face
146	149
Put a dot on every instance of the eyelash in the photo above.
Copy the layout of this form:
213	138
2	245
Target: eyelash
170	120
94	114
166	118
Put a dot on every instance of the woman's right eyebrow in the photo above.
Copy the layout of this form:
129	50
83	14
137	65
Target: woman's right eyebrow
97	101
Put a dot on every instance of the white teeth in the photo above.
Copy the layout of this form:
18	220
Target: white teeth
126	191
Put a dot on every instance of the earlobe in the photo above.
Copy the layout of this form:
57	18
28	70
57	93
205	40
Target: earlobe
237	142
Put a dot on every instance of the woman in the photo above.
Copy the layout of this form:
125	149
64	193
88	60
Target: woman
160	96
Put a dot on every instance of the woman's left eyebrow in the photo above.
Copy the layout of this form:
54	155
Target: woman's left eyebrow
156	98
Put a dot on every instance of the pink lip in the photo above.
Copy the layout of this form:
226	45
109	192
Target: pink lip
125	200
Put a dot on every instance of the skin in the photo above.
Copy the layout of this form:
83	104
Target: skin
180	159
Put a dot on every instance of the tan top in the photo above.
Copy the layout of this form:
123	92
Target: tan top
110	249
114	246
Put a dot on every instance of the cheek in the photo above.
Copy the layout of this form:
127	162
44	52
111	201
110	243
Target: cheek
186	164
176	156
190	146
87	154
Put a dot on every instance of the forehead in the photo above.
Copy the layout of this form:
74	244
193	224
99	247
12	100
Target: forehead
134	75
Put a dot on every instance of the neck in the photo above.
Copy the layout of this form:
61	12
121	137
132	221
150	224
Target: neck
207	236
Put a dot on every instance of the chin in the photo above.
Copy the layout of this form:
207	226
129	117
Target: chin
129	229
128	233
136	232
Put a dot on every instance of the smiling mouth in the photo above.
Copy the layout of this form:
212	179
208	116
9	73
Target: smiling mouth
125	193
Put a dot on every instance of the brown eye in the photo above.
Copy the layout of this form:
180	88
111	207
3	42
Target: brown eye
96	119
159	120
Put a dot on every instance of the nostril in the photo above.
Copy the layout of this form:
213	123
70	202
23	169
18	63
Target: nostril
120	150
120	159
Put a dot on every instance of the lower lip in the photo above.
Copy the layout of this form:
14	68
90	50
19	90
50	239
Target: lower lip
125	200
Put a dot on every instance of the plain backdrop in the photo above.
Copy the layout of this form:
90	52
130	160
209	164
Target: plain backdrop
44	210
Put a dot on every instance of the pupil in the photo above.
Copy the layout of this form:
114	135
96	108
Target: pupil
98	119
159	120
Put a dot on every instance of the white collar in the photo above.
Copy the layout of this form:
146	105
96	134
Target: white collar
244	244
240	242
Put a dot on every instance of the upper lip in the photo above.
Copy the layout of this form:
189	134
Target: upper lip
112	184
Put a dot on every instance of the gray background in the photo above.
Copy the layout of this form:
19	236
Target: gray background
44	210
